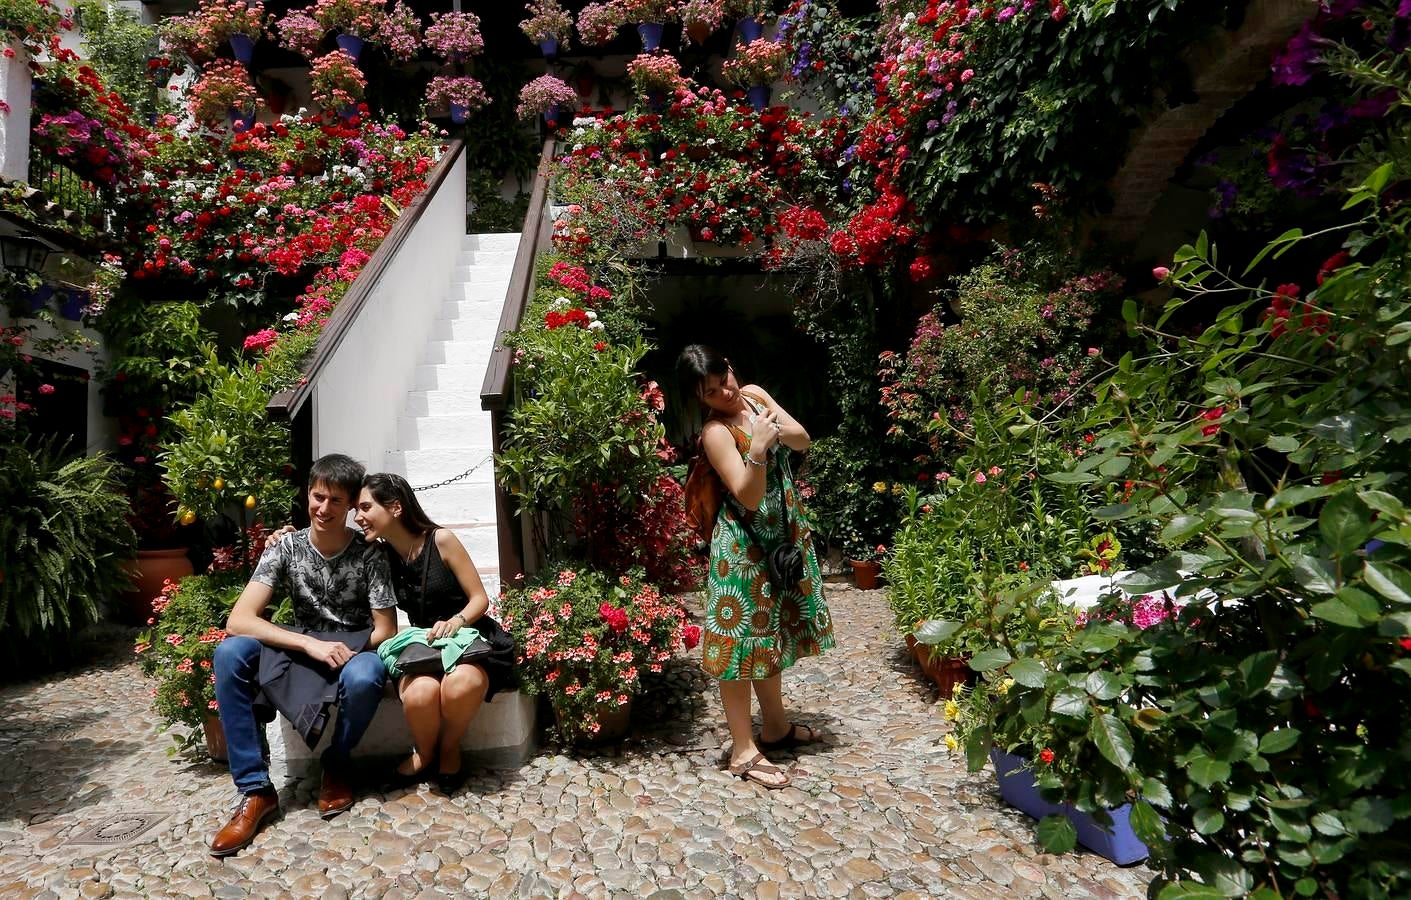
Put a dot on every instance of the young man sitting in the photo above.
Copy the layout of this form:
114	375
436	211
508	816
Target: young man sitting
344	606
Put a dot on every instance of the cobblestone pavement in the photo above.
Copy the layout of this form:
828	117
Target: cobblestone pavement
880	809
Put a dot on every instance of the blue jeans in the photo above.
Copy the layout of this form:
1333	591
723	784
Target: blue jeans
237	665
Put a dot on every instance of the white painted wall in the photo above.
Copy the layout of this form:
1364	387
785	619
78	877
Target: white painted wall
15	87
363	388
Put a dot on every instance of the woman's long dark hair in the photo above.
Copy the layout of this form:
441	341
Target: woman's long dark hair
387	488
694	365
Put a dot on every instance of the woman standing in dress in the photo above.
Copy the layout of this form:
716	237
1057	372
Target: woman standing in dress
753	629
440	590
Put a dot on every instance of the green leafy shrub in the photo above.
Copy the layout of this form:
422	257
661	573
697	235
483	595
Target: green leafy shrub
65	536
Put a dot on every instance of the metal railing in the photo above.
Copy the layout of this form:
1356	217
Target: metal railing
495	392
68	190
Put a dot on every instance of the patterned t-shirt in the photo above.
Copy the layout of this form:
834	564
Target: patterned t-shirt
336	594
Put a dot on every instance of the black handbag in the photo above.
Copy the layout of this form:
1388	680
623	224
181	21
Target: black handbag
784	562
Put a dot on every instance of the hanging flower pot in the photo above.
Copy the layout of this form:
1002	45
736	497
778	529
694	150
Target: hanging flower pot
72	306
552	116
751	29
350	44
241	121
348	112
656	101
243	46
459	113
759	96
698	31
650	33
549	47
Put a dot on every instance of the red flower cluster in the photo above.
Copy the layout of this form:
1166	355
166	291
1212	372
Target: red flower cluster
571	316
1285	306
652	534
878	229
616	618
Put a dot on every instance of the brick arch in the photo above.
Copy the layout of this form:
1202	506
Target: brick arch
1226	66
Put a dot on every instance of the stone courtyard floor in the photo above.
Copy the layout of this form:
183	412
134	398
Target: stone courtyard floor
880	809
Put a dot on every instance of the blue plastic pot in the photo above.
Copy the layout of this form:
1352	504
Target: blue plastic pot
350	44
72	306
243	46
241	121
549	47
651	34
759	96
459	113
751	29
1020	790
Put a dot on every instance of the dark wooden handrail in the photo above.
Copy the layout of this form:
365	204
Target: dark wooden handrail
495	389
285	404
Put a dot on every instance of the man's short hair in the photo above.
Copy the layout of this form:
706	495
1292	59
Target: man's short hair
337	471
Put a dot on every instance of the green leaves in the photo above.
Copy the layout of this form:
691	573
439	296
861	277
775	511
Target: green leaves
1112	740
1277	741
1028	672
989	660
1344	524
1057	834
1204	770
1389	580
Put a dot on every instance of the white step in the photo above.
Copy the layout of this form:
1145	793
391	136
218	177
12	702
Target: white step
468	433
460	503
503	258
477	274
492	242
461	352
446	377
480	324
422	467
443	403
478	294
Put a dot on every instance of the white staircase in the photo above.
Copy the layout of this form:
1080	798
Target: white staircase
442	430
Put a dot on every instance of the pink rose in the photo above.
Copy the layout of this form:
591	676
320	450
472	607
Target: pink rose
1161	273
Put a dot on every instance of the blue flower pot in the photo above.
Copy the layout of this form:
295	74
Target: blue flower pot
241	121
553	116
651	34
39	297
72	306
759	96
350	44
549	47
1019	789
243	46
751	29
656	101
459	113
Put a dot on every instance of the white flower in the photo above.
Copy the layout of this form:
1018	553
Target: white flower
291	317
595	326
592	316
560	301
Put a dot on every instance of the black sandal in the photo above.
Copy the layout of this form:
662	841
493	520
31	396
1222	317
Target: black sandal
757	765
790	738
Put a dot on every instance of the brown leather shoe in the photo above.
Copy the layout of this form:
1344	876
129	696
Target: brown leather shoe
334	795
252	812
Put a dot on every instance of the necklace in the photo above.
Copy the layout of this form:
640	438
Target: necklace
415	549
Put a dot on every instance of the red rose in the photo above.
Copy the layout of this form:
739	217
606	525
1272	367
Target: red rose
1046	755
692	635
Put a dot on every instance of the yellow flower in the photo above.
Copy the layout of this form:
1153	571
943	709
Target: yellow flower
958	690
952	710
1005	685
951	743
897	489
879	486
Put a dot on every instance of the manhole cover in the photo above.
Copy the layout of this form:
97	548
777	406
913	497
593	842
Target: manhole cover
121	828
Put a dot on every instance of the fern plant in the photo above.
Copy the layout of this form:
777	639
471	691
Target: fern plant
64	536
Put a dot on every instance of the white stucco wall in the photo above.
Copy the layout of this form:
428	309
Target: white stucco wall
15	86
362	389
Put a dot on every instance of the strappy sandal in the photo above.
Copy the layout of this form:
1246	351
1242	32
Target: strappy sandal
753	768
790	738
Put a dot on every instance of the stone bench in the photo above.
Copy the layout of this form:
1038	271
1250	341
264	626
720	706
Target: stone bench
500	736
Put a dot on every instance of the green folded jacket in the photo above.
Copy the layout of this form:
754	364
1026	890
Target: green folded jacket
451	648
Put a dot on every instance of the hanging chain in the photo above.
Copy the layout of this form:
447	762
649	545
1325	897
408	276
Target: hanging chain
466	474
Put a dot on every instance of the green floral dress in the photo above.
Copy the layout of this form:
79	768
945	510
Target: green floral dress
750	633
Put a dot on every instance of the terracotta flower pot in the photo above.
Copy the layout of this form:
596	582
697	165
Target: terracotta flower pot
945	671
149	571
864	573
614	722
215	738
698	31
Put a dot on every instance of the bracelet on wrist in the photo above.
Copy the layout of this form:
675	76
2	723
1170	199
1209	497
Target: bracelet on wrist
750	460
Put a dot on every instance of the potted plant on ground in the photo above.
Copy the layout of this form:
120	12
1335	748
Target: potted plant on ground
865	558
185	624
546	96
454	36
588	640
463	94
548	25
598	23
336	82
